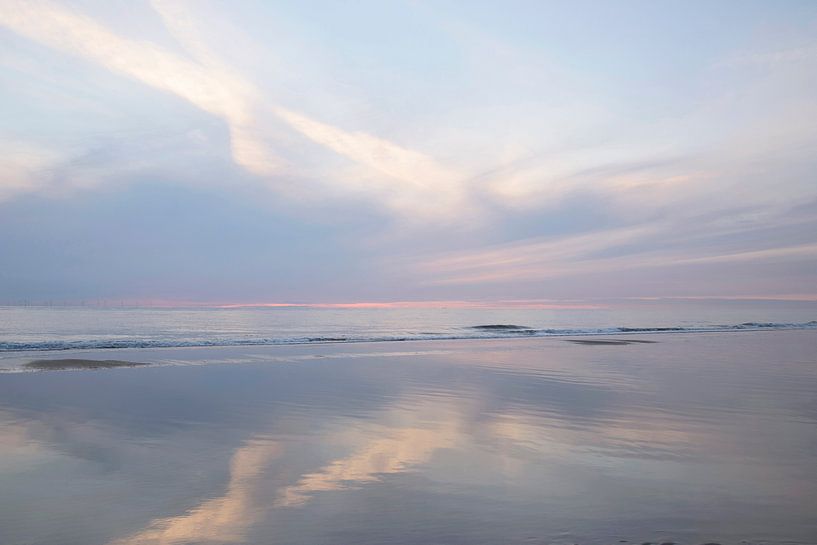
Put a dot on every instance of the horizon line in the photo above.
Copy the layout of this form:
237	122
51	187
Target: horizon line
533	304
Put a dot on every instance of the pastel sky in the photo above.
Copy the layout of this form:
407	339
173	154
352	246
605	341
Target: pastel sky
258	151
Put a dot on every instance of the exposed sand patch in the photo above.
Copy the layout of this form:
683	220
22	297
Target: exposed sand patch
76	363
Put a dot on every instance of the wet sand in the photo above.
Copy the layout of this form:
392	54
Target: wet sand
77	363
701	438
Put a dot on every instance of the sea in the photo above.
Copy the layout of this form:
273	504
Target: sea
48	328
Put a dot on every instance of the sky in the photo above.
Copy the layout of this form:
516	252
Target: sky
344	152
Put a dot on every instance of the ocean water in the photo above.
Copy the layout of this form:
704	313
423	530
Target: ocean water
64	328
708	437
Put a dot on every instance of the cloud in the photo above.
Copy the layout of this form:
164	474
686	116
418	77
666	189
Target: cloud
425	185
407	180
212	90
550	255
616	250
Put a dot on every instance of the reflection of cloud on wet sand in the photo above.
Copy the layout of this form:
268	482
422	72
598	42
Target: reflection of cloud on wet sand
18	447
218	520
385	449
395	450
643	437
404	437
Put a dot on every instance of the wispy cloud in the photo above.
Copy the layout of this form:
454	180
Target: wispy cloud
205	86
589	255
425	184
409	181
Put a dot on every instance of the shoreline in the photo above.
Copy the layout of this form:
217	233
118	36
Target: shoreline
35	361
499	331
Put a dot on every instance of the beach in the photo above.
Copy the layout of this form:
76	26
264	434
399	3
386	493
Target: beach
408	273
689	438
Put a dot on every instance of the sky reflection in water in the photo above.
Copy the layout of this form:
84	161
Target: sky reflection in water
696	438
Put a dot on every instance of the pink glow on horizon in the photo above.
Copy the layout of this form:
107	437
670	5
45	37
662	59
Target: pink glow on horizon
527	304
791	297
533	304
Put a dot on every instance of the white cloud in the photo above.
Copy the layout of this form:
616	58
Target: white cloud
408	180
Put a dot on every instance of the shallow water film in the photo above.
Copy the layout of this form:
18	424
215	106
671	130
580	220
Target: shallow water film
694	438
